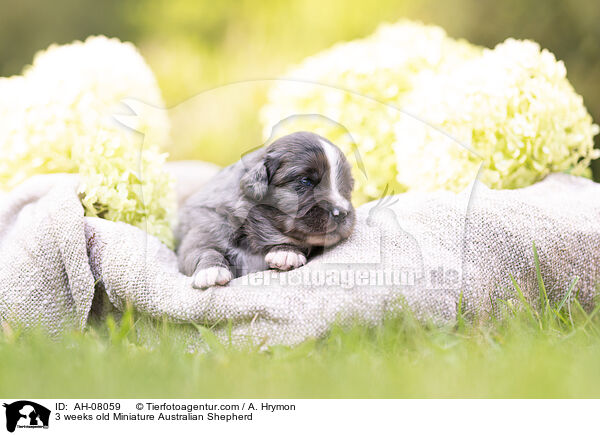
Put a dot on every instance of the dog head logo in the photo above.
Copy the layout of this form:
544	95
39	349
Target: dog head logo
26	414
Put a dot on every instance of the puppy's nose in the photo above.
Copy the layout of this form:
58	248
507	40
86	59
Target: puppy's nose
338	214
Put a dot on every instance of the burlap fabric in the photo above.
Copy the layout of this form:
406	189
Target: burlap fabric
419	251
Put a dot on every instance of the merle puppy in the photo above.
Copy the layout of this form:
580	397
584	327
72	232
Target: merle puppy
268	210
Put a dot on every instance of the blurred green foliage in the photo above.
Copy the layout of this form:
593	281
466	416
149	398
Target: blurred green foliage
193	46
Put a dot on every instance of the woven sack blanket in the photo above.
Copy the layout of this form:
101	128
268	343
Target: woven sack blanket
417	251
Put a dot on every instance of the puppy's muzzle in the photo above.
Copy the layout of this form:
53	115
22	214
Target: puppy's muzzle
336	212
338	215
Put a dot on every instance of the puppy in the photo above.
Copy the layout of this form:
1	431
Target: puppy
268	210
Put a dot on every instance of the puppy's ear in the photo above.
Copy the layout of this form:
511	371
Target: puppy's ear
255	182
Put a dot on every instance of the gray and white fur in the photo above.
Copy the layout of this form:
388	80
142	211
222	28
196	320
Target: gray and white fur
268	210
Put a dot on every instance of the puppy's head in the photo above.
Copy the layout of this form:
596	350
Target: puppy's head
306	182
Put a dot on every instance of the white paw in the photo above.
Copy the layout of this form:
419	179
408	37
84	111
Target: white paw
285	260
210	276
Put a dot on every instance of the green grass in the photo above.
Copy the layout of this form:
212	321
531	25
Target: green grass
533	350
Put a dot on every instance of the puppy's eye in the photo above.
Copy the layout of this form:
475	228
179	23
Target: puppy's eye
306	182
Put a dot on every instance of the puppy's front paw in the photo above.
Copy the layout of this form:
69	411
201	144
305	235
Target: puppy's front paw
285	259
210	276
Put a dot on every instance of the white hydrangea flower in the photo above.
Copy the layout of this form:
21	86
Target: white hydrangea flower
59	117
383	67
513	106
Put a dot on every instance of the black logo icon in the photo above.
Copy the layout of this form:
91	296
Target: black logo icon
26	414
